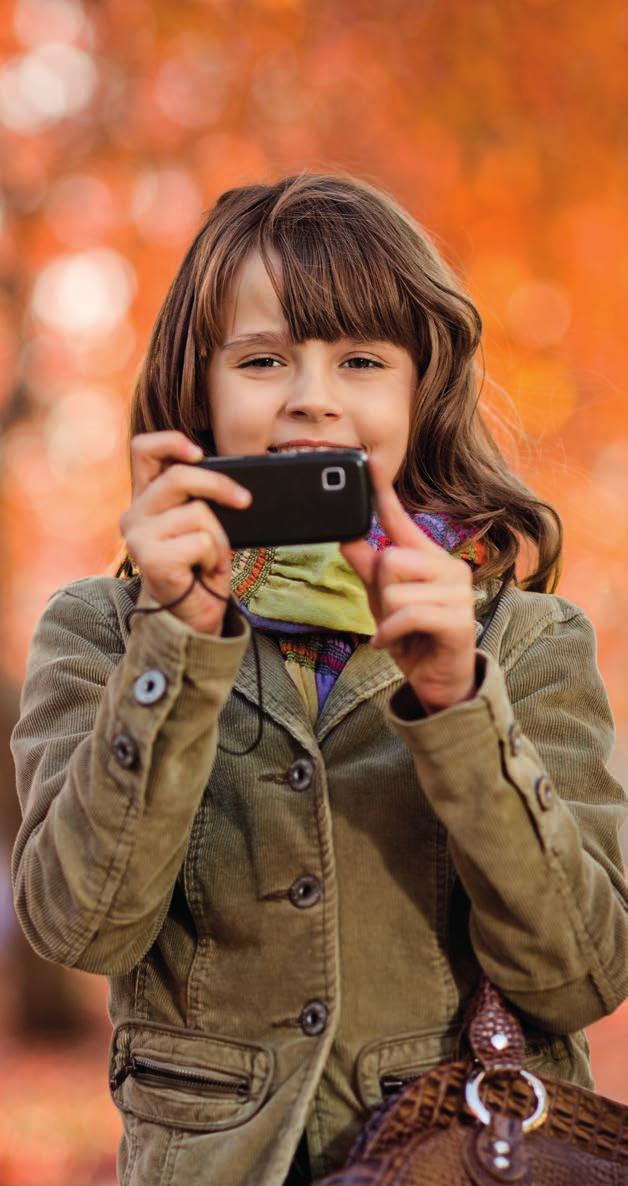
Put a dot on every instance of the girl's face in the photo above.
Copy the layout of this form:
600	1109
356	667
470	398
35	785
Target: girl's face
266	392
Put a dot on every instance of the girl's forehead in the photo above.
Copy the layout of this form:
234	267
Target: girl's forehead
251	301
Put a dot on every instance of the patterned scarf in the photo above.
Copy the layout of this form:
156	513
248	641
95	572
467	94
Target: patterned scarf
315	603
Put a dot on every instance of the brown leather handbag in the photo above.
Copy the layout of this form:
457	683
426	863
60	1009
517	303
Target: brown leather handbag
490	1122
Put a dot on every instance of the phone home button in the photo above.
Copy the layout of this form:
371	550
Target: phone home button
333	477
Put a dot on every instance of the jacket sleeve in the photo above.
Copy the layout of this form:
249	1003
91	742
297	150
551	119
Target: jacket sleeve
110	772
518	776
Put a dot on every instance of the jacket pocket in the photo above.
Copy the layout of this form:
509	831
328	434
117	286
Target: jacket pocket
387	1066
560	1056
185	1078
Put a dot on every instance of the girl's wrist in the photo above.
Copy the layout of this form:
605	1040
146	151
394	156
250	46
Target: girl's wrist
430	709
468	691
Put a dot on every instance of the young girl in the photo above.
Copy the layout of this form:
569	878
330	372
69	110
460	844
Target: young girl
294	918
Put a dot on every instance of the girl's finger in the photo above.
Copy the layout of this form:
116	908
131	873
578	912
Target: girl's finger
151	452
181	482
424	593
176	557
394	519
409	564
191	516
419	619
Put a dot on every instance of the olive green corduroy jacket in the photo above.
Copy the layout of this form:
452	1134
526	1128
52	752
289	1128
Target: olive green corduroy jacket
288	932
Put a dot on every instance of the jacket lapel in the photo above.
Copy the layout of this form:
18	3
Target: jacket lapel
280	697
366	673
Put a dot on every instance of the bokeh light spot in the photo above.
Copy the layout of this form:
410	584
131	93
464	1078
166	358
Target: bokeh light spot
191	88
611	469
166	204
87	426
39	21
539	313
85	293
81	209
44	86
276	89
494	277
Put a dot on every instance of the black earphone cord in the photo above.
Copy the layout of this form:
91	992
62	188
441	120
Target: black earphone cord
157	609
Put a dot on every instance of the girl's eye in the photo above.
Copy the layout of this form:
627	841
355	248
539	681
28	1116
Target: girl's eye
359	358
266	362
260	362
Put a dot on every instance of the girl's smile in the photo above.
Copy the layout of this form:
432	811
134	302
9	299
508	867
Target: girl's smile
267	392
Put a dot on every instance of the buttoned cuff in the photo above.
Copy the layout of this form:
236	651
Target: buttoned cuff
205	656
454	727
407	706
474	748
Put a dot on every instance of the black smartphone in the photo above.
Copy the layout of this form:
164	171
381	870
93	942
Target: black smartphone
314	497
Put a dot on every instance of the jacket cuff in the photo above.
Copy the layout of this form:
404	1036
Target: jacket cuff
475	748
406	705
162	636
454	727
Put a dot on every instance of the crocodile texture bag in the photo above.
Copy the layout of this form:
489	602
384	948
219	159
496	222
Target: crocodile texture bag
490	1123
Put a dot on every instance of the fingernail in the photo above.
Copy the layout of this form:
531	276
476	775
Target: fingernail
243	496
195	451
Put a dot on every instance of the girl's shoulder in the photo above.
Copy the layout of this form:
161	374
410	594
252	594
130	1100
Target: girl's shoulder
521	618
93	603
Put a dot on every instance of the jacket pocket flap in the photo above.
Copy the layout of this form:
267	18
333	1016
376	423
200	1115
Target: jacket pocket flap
396	1061
185	1078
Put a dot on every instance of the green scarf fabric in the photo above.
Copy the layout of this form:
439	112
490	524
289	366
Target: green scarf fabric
311	584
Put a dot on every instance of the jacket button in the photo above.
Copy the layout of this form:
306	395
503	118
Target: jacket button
126	750
544	792
150	687
515	738
300	774
305	891
313	1018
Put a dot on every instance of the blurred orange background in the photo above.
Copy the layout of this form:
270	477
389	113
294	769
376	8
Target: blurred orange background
499	125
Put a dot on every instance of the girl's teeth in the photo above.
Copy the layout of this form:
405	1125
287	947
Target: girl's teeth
302	449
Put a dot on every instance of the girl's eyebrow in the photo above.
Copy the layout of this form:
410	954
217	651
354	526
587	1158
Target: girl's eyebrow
263	337
270	338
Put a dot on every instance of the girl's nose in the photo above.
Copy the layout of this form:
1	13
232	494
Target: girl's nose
311	397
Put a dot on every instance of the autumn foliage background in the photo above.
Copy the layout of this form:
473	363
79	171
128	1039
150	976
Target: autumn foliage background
501	127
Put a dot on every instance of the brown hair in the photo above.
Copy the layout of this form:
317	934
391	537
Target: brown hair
355	263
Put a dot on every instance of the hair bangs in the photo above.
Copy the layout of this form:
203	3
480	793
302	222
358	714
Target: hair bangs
335	285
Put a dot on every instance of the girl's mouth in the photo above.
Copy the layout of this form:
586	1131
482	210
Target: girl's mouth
310	447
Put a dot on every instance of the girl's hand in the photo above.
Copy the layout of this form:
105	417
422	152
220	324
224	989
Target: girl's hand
166	533
422	601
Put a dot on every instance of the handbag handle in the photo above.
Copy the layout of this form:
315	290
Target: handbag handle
497	1041
494	1033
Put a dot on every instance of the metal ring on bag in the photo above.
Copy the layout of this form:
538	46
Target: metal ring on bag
481	1112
